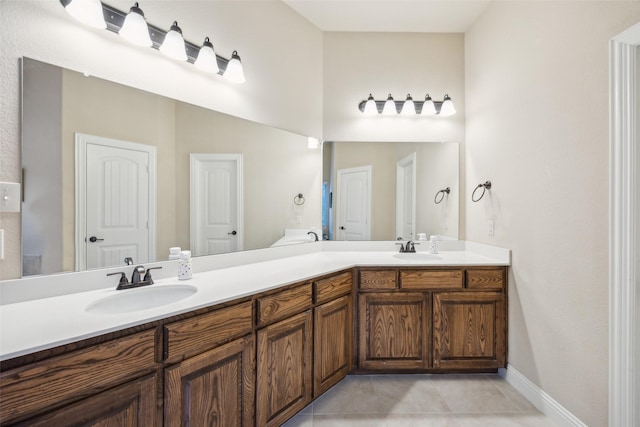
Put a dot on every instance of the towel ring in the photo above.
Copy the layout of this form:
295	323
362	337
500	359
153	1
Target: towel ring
486	186
299	199
442	192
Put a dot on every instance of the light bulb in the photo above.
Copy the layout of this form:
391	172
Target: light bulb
428	107
88	12
206	59
313	143
409	107
389	107
173	44
370	107
135	29
234	72
447	108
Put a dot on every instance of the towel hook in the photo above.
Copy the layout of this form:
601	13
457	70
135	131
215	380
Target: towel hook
442	192
486	186
299	199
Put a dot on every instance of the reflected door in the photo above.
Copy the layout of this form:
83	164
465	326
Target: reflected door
353	210
117	198
406	197
216	203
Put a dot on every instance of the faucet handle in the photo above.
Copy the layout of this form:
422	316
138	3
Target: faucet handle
147	275
402	249
123	279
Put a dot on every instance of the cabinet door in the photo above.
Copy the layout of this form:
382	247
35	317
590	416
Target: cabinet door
393	331
333	339
469	330
284	369
129	405
212	389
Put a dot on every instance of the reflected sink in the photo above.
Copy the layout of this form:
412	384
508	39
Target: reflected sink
138	299
417	256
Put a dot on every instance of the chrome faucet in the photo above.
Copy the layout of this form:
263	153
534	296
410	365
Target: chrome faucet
315	235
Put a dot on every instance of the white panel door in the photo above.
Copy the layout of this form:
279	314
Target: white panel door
117	205
353	210
406	197
216	203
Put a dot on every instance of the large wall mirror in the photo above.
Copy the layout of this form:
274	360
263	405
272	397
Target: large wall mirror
111	171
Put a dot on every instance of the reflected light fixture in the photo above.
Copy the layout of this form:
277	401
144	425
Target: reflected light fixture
409	107
135	29
389	108
447	109
370	107
173	45
313	143
206	59
428	107
234	72
89	12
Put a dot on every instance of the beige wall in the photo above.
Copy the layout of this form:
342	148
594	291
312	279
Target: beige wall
281	53
436	168
537	127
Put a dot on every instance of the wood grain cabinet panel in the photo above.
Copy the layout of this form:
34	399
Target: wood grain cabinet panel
73	376
130	405
486	278
333	343
214	389
284	369
469	330
430	279
194	335
393	331
371	280
332	287
283	304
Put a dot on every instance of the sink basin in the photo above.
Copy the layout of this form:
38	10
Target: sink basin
417	256
139	299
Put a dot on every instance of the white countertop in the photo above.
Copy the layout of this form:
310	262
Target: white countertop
38	324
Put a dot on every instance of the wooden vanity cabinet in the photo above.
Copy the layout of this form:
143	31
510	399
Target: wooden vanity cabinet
112	383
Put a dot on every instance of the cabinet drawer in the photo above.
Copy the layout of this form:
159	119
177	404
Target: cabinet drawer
73	376
332	287
485	278
283	304
195	335
431	279
377	279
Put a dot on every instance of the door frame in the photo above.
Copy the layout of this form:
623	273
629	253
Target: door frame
194	158
340	209
623	245
81	142
411	159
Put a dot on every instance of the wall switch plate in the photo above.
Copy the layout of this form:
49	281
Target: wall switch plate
491	227
10	197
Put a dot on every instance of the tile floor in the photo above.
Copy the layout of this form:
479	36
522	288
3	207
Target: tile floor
479	400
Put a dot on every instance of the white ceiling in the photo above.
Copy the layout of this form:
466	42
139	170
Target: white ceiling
422	16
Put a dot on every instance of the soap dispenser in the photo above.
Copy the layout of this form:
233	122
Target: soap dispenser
185	272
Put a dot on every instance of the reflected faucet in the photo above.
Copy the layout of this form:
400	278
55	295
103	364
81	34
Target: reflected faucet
315	235
128	260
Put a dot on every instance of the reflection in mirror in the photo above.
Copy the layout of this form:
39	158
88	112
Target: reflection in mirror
387	190
89	151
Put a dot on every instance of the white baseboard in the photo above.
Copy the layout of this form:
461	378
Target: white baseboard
541	400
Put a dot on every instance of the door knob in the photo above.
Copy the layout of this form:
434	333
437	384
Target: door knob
94	239
342	227
233	233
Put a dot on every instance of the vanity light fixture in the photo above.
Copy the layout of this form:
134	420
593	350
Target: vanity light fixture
135	29
173	45
206	59
234	72
89	12
408	107
101	15
389	108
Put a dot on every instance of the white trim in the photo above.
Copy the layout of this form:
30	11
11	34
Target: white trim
539	398
194	158
81	141
411	159
622	233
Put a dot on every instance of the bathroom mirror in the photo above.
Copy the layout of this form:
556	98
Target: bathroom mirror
80	137
413	190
